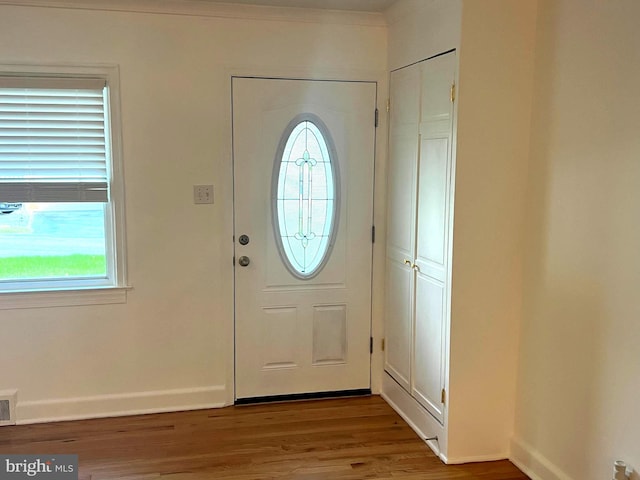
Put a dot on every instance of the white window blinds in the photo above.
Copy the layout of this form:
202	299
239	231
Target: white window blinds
53	140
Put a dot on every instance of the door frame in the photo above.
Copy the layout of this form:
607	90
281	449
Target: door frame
231	372
424	423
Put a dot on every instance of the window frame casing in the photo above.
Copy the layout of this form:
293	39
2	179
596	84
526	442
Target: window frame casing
112	289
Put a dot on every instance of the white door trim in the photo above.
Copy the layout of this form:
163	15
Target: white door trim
231	393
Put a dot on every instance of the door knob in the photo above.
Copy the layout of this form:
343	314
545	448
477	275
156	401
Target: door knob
244	261
244	239
407	262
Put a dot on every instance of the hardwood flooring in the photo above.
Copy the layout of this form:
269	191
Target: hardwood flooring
350	438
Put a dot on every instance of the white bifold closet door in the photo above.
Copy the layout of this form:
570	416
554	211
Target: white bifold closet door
418	252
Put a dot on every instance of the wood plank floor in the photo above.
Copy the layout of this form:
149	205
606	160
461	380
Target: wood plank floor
354	438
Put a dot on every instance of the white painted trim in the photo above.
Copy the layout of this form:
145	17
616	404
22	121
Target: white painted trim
315	73
218	10
535	465
421	421
60	292
116	235
63	298
117	405
477	458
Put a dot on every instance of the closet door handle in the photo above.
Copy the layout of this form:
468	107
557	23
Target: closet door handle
410	264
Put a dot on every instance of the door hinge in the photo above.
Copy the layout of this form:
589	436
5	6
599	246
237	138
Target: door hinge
388	105
453	92
373	234
234	260
370	344
443	396
382	344
377	115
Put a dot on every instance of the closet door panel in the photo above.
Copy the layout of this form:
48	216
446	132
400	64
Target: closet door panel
401	194
402	168
432	234
436	116
429	345
432	204
398	315
401	213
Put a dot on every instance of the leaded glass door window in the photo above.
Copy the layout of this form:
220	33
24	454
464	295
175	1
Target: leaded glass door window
306	196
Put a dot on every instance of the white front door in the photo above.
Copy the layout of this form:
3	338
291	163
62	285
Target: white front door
303	154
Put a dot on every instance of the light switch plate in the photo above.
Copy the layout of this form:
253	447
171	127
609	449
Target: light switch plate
202	194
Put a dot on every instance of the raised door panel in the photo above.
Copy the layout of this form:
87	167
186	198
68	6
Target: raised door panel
401	193
402	169
401	212
399	331
432	258
432	205
436	115
427	378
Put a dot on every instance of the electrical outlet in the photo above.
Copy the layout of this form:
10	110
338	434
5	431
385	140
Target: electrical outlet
202	194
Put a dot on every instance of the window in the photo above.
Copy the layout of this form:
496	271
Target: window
60	186
306	200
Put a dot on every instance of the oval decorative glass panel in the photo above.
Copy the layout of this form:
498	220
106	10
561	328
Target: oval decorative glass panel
305	194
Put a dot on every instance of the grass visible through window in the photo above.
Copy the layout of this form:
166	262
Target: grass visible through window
52	266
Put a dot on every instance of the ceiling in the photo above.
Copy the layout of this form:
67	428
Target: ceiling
354	5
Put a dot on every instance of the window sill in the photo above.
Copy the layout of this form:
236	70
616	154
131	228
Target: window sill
63	298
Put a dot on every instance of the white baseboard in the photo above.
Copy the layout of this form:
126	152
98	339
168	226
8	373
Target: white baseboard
415	415
117	405
477	458
533	463
425	425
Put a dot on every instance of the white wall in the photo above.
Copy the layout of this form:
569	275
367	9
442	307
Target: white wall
578	400
495	39
170	345
420	29
494	114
